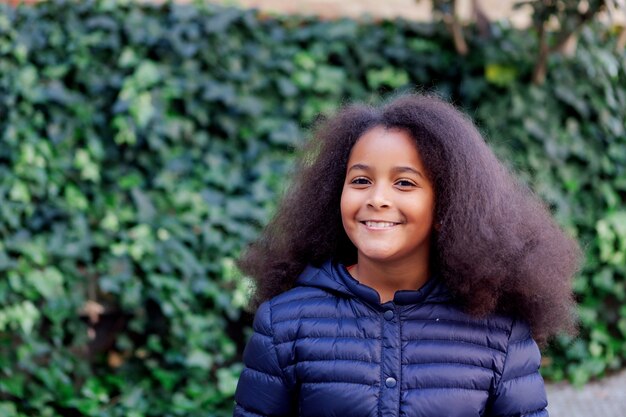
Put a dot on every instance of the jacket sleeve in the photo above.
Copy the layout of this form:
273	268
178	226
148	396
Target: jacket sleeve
520	391
262	389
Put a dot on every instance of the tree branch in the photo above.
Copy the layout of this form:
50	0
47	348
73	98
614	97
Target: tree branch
564	35
454	26
621	40
564	38
540	70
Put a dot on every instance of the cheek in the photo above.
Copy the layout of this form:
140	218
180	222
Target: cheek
343	204
421	210
428	211
346	206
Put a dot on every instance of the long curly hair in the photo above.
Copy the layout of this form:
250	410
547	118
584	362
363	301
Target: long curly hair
497	250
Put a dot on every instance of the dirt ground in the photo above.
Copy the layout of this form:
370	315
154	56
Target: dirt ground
604	398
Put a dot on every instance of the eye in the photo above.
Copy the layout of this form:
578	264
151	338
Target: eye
405	183
360	181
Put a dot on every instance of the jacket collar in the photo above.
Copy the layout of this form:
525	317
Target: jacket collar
333	277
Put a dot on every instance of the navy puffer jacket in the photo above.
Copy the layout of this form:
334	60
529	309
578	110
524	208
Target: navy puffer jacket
329	348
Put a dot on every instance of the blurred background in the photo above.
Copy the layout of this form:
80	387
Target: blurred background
143	145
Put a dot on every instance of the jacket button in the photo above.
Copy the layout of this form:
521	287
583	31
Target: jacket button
388	315
390	382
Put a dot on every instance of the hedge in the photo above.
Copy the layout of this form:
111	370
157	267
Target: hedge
143	146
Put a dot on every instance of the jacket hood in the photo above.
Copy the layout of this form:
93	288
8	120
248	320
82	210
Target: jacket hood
335	278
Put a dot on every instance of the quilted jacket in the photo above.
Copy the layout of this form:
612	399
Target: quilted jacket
328	347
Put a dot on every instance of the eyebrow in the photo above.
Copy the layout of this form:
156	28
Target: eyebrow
399	169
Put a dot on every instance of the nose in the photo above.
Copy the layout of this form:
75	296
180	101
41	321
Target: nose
378	198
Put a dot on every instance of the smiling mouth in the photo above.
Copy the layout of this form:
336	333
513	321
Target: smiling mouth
379	225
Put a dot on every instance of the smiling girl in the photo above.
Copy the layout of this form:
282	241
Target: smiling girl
406	273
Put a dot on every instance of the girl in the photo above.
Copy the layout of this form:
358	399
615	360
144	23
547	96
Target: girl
406	273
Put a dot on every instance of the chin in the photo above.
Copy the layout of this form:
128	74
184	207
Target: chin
379	256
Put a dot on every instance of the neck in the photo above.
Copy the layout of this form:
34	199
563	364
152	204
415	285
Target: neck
388	278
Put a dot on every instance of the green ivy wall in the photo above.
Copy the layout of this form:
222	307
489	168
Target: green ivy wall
142	146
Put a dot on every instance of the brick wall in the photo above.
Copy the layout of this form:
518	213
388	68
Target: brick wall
410	9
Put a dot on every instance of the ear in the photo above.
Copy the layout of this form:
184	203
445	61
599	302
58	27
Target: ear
437	226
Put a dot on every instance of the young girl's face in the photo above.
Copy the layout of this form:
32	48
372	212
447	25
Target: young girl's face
387	202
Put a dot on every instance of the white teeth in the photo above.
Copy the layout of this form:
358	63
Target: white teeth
379	224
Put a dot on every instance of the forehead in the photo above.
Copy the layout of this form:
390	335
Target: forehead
380	145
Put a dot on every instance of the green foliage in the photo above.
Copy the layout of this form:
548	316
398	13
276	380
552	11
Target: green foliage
142	146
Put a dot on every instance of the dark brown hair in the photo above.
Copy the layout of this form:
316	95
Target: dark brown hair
498	248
